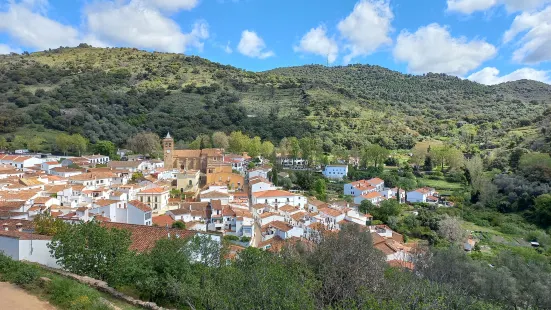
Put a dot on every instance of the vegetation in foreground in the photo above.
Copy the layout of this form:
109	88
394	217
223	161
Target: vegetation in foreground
61	292
342	271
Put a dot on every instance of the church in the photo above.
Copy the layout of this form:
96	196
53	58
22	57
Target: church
190	159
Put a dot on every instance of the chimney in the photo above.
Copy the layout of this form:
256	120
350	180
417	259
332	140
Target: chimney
6	228
19	227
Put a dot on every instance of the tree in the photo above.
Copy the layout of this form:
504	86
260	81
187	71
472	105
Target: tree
475	169
285	147
78	143
34	144
220	140
89	249
321	189
63	142
238	142
106	148
255	147
366	206
294	147
446	154
387	209
375	154
19	142
45	224
267	149
179	225
536	166
450	229
542	210
3	144
146	143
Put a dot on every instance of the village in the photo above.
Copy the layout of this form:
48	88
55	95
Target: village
204	191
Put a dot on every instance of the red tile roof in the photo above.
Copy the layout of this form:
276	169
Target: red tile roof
163	220
144	237
140	205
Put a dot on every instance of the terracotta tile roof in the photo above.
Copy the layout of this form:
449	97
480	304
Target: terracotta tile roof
105	202
124	164
267	214
163	220
260	206
154	190
371	195
66	169
385	248
52	163
256	180
330	212
215	194
11	224
281	226
375	181
41	200
376	238
228	211
287	208
401	264
315	202
21	195
273	193
180	211
216	204
298	216
144	237
140	205
11	205
101	218
23	235
92	176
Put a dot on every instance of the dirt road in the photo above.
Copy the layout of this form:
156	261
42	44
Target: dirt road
13	297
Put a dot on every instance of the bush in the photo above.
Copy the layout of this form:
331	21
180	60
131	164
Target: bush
67	294
26	274
245	239
231	238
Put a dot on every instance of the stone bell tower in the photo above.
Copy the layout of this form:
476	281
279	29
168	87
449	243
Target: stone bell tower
168	151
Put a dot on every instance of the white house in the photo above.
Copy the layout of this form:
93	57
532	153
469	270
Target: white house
363	187
259	172
259	184
131	166
421	195
20	162
156	198
276	198
374	197
335	172
209	196
97	159
20	245
48	165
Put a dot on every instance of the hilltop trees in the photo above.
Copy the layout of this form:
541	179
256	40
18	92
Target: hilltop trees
146	143
220	140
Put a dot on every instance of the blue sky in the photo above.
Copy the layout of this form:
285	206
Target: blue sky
489	41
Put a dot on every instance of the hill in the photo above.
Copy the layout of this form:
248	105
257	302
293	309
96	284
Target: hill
110	94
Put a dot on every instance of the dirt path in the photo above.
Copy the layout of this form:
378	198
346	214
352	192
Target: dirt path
13	297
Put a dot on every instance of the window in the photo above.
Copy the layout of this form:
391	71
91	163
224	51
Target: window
190	182
148	199
155	198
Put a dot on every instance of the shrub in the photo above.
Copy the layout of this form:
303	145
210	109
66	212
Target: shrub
231	238
67	294
245	239
26	274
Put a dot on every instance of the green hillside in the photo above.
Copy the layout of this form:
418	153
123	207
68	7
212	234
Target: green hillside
111	94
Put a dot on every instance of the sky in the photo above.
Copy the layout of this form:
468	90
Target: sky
487	41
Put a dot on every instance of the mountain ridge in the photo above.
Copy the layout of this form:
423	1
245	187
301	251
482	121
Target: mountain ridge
112	93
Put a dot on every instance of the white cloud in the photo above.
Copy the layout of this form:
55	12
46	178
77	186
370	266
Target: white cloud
174	5
490	76
433	49
6	49
535	45
33	29
228	48
470	6
138	25
316	42
367	28
252	45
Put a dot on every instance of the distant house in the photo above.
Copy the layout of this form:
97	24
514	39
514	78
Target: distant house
156	198
20	244
373	197
424	194
278	198
335	172
259	184
362	187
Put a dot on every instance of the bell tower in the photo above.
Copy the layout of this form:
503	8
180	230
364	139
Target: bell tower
168	151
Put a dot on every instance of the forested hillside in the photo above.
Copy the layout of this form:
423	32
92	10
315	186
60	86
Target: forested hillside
111	94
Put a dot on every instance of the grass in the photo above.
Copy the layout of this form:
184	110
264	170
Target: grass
442	186
61	292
